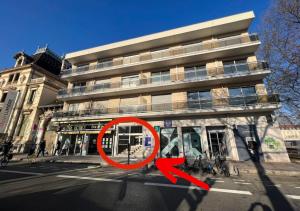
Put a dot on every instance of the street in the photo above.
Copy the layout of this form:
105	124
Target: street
62	186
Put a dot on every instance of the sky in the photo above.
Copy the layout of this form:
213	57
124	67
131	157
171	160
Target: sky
71	25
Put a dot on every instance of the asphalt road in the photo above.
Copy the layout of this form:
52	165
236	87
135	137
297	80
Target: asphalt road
55	186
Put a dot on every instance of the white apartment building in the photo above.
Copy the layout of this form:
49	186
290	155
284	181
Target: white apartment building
201	86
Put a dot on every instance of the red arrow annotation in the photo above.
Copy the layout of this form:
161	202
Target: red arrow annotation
166	166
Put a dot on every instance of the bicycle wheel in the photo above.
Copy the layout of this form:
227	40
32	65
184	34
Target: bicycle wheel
4	162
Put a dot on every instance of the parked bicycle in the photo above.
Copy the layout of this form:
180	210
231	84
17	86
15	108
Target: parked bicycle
6	154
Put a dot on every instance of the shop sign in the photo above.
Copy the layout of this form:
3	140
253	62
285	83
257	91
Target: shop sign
147	141
168	123
157	129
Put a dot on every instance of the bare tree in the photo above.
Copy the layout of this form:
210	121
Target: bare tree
280	36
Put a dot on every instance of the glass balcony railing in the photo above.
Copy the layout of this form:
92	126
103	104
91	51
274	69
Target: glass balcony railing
214	103
161	54
187	76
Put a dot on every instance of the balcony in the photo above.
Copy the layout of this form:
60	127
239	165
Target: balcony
236	45
218	75
241	104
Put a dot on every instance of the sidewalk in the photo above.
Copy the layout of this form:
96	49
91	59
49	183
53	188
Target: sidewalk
279	169
245	167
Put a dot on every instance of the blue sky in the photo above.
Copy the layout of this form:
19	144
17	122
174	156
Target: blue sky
68	26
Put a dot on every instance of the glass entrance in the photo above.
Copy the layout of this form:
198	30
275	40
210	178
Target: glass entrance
192	141
217	142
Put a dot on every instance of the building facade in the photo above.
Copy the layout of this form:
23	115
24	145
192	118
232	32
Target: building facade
291	137
33	82
201	86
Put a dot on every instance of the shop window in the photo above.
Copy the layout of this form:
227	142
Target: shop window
136	129
123	129
4	95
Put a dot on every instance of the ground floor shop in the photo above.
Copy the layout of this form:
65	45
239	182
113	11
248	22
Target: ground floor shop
236	137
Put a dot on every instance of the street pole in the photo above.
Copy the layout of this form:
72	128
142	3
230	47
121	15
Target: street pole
128	149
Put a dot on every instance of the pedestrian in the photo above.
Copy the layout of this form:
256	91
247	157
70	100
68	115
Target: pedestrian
66	146
42	147
57	148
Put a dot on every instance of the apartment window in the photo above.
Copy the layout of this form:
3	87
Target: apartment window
3	97
235	66
24	125
79	84
32	96
10	78
199	99
162	102
103	63
74	107
103	84
129	105
242	95
160	77
130	81
17	76
195	73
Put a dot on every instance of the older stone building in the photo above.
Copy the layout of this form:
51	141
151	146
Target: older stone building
201	86
33	82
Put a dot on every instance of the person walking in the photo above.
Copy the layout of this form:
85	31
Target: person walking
42	147
57	148
66	146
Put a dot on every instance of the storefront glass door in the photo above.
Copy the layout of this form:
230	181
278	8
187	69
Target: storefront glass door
217	142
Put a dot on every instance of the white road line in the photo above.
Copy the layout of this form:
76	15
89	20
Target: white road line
219	181
238	180
293	196
278	185
198	188
115	173
22	172
89	178
297	187
243	183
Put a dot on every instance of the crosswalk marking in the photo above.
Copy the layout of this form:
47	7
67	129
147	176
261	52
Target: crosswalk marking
243	183
198	188
293	196
89	178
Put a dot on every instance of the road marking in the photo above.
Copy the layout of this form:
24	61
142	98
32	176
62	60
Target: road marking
278	185
243	183
115	173
219	181
297	187
198	188
238	180
21	172
293	196
89	178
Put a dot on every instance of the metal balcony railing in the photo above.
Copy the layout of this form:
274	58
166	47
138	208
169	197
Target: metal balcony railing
160	54
202	104
187	76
